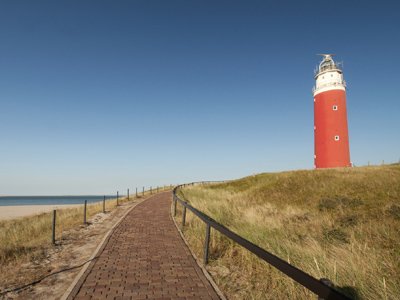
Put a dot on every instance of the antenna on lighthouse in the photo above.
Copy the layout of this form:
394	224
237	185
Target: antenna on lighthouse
326	55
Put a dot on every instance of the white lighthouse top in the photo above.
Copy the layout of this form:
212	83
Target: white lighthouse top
328	75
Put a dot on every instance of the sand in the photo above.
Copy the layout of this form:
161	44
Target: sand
11	212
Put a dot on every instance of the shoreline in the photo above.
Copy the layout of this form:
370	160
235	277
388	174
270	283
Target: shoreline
19	211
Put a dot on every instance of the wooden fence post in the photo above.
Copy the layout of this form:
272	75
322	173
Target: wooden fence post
84	213
327	282
175	201
53	233
183	217
206	244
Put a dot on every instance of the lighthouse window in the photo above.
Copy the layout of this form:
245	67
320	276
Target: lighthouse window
336	137
334	107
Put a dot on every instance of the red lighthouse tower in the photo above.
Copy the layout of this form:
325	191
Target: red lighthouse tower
330	116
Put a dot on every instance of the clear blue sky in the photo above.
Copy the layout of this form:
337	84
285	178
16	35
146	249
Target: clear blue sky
99	96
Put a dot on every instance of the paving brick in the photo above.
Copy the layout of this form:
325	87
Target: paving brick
145	258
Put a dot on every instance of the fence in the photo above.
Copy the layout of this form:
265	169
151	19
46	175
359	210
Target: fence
323	287
117	198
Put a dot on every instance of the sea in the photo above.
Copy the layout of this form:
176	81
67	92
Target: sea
50	200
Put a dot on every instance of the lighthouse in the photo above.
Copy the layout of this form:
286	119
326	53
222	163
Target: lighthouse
331	138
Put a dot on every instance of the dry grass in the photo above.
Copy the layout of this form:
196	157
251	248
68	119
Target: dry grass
342	224
26	239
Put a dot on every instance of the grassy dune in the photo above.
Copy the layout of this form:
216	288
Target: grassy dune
342	224
24	239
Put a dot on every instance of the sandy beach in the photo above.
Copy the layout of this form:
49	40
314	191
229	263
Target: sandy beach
17	211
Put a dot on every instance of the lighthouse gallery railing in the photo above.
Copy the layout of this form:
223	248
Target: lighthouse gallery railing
320	287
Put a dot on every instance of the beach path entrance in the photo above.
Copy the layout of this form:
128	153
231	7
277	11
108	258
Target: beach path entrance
145	258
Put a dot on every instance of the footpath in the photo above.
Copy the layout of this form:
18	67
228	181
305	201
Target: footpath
145	258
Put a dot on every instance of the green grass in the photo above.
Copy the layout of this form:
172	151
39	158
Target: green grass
342	224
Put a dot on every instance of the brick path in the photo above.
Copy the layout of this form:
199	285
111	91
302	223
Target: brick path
146	258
